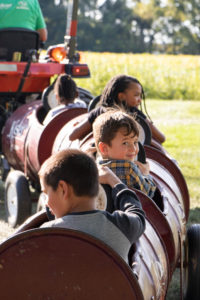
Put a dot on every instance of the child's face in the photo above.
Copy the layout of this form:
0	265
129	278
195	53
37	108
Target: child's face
55	199
132	95
123	146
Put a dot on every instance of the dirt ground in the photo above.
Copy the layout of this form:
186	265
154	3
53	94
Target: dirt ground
5	229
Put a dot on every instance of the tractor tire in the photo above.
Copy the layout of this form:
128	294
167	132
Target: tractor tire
17	198
191	280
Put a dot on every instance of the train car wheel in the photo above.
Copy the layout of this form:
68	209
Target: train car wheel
192	263
4	167
17	198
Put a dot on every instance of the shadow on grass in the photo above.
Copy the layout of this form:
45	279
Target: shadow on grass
194	216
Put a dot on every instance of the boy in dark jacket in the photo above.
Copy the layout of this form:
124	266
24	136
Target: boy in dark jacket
70	181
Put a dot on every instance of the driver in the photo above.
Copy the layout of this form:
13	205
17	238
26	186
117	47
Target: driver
24	14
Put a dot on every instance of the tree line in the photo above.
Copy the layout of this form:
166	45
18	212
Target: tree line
123	26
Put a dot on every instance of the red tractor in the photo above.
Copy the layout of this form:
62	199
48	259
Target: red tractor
27	75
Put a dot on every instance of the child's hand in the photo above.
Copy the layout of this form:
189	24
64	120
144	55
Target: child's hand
89	149
144	168
106	176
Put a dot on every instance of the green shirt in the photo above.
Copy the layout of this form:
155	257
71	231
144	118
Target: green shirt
25	14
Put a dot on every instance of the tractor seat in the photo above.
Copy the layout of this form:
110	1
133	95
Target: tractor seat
16	43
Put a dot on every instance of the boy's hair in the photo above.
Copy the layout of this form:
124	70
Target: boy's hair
117	84
66	89
106	126
74	167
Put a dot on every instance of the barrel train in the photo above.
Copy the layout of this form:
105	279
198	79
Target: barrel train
66	264
77	265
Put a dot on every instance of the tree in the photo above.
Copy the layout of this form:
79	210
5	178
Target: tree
174	28
116	25
144	15
169	26
55	17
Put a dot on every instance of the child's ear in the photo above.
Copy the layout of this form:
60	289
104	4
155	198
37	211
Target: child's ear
63	187
103	148
121	96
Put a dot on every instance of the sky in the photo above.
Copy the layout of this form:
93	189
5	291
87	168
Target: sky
100	2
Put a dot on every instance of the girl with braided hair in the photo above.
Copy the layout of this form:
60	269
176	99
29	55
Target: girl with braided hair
66	92
122	91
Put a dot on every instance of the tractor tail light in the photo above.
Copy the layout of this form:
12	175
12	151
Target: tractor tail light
78	70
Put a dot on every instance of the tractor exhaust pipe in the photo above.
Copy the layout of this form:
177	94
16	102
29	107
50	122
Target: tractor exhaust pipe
71	29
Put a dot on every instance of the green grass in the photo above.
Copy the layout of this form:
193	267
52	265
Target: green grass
179	120
162	76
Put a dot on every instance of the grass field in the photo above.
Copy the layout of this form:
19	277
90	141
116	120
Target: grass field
162	76
179	120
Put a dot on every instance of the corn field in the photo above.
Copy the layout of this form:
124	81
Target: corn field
162	76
